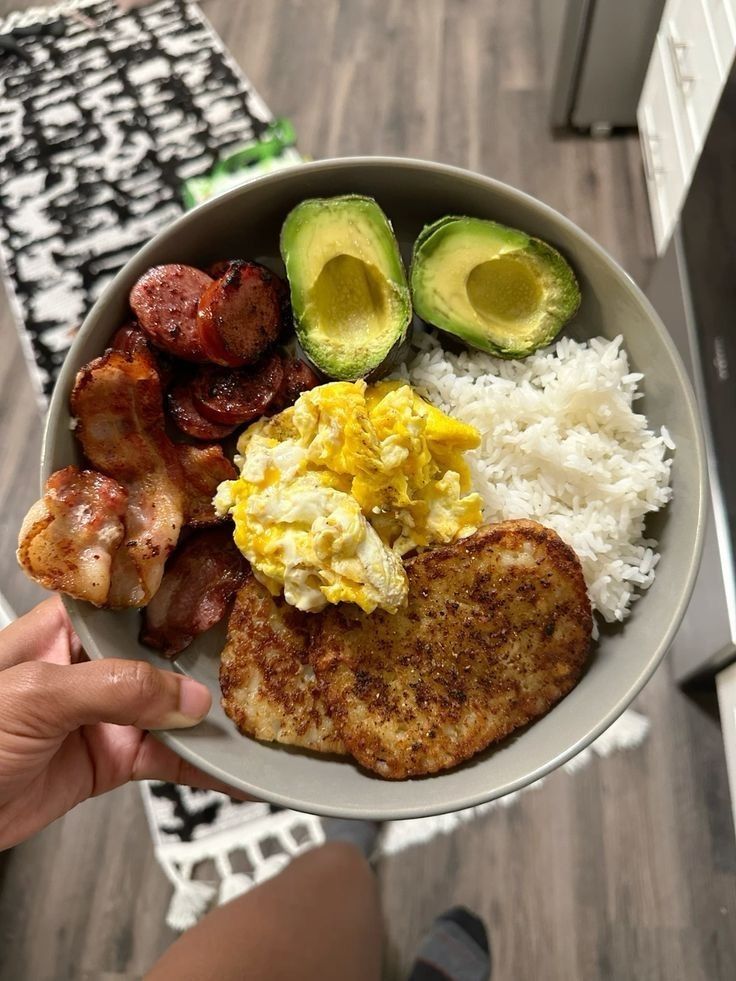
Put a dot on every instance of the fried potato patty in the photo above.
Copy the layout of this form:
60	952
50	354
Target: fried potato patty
268	687
496	631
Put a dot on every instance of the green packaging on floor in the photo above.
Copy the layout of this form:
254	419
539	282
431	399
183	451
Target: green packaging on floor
274	149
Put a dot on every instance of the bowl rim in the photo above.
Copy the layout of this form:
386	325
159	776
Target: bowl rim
59	405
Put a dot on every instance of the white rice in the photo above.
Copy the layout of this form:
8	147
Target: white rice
562	444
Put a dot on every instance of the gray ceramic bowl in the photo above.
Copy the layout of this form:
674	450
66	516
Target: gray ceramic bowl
246	222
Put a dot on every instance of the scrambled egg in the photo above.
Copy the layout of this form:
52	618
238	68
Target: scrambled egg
334	490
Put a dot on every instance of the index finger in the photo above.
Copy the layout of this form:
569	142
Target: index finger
43	634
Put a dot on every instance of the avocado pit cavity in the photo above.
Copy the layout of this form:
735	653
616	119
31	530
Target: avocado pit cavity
504	289
350	300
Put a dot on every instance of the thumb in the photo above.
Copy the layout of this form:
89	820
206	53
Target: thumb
60	698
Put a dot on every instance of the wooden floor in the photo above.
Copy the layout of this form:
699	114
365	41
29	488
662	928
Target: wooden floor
625	870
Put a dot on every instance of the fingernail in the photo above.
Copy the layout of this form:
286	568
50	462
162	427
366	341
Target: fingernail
194	703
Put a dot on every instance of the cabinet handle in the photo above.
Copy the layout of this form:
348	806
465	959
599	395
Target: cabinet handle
651	170
683	78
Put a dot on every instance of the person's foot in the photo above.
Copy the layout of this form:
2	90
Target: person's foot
362	834
455	949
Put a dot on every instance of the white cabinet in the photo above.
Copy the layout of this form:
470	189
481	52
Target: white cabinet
690	62
695	64
723	22
663	156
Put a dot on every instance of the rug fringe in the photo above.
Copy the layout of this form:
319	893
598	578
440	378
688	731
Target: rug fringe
270	840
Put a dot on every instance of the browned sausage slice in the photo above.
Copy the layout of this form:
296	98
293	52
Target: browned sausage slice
130	339
219	268
165	302
241	314
200	580
209	340
233	397
298	378
184	413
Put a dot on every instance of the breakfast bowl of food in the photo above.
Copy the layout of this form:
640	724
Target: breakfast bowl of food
396	460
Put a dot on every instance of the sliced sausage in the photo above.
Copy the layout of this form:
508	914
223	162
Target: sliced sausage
130	339
219	268
184	413
233	397
241	314
200	581
209	340
298	378
165	302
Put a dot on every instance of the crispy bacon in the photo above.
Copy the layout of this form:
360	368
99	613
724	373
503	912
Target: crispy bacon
200	581
118	405
105	536
204	468
69	538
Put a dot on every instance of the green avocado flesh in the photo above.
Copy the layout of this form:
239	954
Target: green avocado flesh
348	286
495	287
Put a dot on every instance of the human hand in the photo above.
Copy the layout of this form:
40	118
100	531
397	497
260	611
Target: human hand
72	729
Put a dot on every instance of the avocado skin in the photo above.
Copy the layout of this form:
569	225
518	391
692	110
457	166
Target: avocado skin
331	362
558	271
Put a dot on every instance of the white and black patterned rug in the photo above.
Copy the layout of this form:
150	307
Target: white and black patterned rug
99	128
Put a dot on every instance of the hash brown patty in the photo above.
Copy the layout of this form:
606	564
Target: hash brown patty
496	631
268	687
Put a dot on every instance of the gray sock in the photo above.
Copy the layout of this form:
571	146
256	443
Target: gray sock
455	949
362	834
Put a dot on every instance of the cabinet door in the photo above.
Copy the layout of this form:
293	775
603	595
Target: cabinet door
698	67
723	21
661	150
690	63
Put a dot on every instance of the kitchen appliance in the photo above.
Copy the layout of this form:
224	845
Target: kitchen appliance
597	55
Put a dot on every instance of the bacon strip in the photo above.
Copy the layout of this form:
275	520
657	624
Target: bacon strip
105	536
200	581
69	538
205	467
117	401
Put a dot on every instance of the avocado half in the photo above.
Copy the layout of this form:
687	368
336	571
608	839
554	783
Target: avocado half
496	288
349	291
